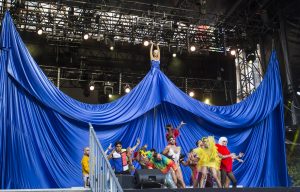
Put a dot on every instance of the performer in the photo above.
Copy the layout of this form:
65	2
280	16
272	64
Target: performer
192	163
199	151
209	160
173	152
143	156
173	132
166	166
226	162
85	166
155	56
121	159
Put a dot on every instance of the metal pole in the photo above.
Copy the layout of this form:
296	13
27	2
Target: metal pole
120	83
58	77
186	85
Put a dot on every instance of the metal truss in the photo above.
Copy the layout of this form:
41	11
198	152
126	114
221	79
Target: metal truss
248	74
72	77
69	21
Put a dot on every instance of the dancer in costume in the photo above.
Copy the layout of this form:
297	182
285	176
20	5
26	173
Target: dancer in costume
166	166
122	161
209	160
173	132
143	157
226	162
192	162
155	56
199	151
173	152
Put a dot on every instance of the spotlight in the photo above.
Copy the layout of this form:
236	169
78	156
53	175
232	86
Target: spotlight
174	55
86	36
191	94
232	52
127	88
251	58
146	43
92	86
298	93
111	48
40	32
193	48
110	95
207	101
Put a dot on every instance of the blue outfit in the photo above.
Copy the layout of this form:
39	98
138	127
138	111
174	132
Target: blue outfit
154	65
120	163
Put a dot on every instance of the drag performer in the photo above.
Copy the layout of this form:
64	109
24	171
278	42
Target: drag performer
120	158
173	152
155	56
166	166
142	156
173	132
199	151
209	160
192	162
226	162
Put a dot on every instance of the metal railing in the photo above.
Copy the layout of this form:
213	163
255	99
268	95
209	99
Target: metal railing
102	176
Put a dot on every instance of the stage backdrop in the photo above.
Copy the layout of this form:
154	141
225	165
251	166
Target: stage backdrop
43	131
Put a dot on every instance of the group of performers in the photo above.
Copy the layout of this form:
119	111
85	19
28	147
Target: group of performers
208	161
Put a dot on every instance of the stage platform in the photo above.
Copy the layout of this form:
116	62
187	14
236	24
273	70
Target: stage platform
293	189
73	189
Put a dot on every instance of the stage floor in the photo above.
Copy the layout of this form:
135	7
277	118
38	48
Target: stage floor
293	189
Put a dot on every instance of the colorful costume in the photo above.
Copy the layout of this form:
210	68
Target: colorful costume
165	164
208	156
120	162
175	134
226	164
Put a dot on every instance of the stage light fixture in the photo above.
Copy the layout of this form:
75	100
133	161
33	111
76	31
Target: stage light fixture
86	36
298	93
146	43
174	55
92	85
232	52
111	48
127	88
40	32
193	48
207	101
250	58
191	94
110	95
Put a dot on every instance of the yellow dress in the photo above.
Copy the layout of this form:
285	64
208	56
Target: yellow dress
85	165
208	156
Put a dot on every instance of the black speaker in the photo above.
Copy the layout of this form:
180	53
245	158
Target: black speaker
149	178
126	181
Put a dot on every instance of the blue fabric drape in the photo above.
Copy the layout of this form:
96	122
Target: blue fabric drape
43	131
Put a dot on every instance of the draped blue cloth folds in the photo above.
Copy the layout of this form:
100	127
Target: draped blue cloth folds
43	131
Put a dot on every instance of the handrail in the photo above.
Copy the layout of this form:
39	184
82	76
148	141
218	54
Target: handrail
102	176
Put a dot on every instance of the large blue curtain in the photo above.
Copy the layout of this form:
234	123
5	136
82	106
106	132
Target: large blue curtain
43	131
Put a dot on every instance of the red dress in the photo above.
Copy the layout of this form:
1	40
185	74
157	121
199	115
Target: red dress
226	164
175	134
